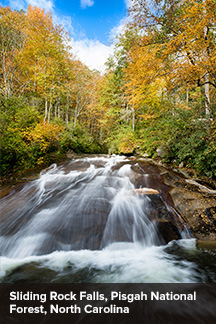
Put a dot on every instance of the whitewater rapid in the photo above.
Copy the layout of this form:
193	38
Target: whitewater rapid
84	222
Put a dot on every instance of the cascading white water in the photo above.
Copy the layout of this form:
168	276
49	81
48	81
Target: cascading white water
128	220
75	210
81	209
87	216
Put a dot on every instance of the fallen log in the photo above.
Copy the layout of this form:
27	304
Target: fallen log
147	191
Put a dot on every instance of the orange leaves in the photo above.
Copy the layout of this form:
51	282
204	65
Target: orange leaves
12	41
176	48
44	50
194	44
35	61
143	75
34	57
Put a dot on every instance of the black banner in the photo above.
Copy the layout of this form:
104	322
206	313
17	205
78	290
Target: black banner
108	303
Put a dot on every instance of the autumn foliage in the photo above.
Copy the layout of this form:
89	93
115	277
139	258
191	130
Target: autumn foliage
158	90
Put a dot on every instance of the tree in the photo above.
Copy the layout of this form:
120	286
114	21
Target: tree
144	86
12	41
185	36
45	56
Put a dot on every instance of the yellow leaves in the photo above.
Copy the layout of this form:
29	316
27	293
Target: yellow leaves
40	161
44	135
184	106
184	39
143	76
39	20
35	51
194	42
147	117
126	146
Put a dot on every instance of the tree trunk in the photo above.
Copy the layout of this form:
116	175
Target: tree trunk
46	109
133	111
67	108
75	115
49	112
59	108
187	97
207	97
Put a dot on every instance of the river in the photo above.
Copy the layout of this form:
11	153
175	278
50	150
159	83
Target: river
84	221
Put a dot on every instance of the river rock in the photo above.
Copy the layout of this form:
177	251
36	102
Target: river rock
161	151
195	203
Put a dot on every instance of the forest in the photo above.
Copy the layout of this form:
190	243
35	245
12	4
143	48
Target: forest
157	96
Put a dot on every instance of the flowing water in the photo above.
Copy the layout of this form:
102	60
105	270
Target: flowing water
85	222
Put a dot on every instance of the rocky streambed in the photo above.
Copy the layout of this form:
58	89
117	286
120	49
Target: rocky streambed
178	199
108	219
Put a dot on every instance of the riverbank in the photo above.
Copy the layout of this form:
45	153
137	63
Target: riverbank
33	173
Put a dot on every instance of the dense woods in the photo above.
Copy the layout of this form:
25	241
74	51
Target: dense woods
158	94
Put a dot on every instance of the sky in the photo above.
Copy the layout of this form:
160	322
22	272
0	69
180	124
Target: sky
92	24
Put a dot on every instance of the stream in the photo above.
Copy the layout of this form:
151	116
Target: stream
84	221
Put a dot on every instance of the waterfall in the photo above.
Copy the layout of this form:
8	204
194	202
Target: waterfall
86	219
77	209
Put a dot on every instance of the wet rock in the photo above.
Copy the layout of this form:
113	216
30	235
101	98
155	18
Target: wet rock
158	210
154	181
29	272
5	191
211	245
70	154
195	203
78	165
168	225
205	227
84	224
168	231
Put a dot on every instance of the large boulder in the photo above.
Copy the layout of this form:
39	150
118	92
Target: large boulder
196	203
